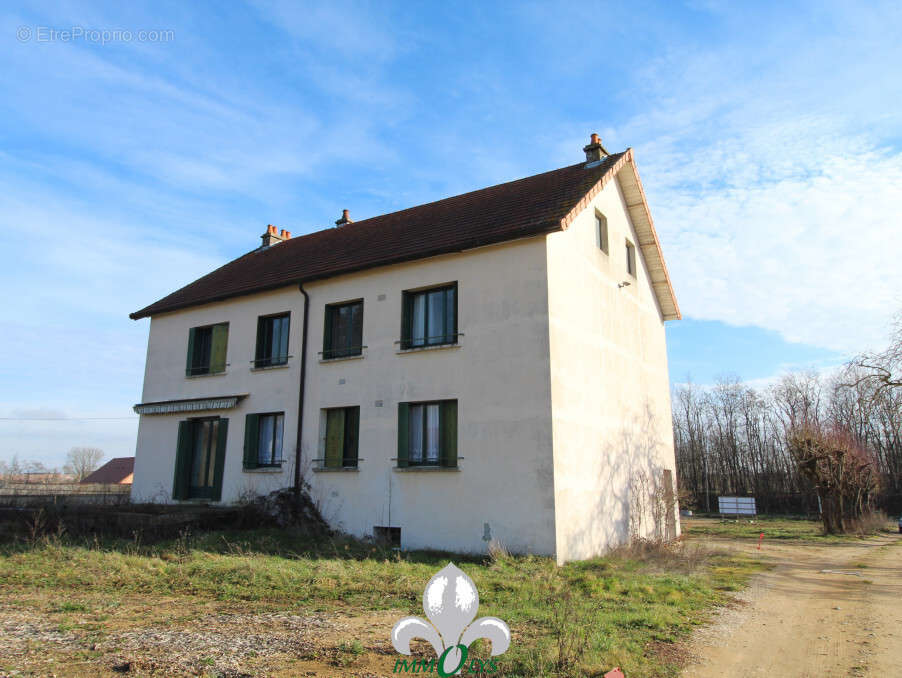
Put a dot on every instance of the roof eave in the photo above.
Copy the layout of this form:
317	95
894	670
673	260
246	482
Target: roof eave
640	214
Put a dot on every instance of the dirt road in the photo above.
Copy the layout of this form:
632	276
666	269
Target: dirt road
831	610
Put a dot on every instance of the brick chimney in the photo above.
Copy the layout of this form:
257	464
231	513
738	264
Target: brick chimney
345	219
595	152
273	236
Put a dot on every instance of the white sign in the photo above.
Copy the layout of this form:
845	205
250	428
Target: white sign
737	506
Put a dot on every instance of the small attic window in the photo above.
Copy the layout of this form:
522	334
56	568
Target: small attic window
630	258
601	232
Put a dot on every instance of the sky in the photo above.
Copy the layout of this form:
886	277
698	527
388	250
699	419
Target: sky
154	142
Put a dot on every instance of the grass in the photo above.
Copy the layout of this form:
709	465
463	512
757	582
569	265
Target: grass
778	527
577	620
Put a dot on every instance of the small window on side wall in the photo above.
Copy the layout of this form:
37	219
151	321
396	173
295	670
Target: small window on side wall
630	258
263	440
207	349
601	232
272	340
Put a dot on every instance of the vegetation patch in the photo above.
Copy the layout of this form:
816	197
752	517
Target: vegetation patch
334	602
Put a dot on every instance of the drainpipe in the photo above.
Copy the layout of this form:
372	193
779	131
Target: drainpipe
297	457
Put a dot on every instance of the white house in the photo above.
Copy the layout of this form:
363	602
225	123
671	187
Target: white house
487	366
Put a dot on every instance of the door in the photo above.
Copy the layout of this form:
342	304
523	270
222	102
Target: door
203	458
200	459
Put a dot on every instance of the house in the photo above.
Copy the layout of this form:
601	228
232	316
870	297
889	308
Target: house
117	471
490	366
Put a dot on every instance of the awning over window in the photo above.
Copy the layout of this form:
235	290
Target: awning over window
226	402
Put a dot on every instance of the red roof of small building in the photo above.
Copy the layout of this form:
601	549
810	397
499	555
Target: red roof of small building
114	472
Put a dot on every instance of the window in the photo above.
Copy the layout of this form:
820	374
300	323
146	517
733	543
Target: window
601	232
263	440
342	428
207	349
427	434
199	459
343	330
630	258
272	340
429	317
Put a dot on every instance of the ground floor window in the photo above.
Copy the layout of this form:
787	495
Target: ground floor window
263	440
427	433
341	444
200	458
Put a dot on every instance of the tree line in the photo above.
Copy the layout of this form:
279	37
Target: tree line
735	439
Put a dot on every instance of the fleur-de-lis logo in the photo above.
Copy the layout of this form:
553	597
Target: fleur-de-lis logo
451	601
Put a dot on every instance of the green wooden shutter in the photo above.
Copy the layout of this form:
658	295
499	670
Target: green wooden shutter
219	466
357	329
189	363
218	350
182	461
403	433
251	440
405	319
448	423
261	342
327	333
335	437
352	431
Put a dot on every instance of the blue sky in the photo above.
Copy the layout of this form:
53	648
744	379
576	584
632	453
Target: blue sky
769	141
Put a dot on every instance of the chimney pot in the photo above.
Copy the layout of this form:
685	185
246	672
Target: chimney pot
272	237
345	219
595	152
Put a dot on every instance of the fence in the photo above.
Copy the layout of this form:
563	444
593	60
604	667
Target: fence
33	494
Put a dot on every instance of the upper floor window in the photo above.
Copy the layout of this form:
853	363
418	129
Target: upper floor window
343	330
207	349
630	258
427	434
272	340
263	439
429	317
601	232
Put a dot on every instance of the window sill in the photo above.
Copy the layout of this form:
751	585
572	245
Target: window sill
263	469
337	469
436	347
207	374
359	356
267	368
426	469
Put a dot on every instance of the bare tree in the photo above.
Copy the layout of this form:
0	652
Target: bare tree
82	461
883	369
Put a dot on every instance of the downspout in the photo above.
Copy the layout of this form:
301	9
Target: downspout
297	453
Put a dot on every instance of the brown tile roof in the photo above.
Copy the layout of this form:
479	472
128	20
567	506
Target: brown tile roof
517	209
113	472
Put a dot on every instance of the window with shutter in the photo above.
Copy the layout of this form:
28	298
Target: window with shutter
207	347
272	340
427	434
343	330
341	444
429	317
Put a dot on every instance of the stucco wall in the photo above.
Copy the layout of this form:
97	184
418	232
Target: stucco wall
499	374
610	387
273	390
